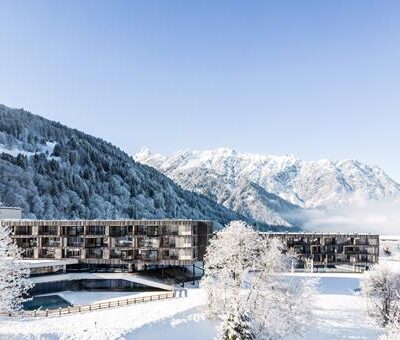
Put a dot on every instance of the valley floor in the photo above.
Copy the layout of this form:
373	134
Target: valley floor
339	314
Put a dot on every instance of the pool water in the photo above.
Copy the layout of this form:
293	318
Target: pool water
46	302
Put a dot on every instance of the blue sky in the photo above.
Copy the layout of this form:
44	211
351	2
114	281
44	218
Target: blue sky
318	79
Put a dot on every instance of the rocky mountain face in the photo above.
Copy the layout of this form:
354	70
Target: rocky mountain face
273	189
54	172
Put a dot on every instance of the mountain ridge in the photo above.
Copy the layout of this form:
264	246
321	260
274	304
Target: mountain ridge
321	184
55	172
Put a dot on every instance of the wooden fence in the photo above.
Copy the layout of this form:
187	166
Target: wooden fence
92	307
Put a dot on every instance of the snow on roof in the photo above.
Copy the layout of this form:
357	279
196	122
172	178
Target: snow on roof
48	263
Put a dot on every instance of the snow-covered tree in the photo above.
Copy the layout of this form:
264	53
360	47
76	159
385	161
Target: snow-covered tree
392	329
281	305
245	286
393	326
228	260
14	282
237	324
381	286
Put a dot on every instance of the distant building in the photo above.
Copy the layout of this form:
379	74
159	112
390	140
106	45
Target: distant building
333	249
10	213
125	244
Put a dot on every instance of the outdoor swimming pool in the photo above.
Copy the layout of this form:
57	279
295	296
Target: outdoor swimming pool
46	302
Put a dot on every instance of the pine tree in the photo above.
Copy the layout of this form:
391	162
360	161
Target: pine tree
237	325
14	282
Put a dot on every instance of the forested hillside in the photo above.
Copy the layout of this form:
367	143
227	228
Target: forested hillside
52	171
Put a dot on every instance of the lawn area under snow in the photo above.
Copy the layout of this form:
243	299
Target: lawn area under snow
339	314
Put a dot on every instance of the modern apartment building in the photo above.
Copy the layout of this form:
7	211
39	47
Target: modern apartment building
333	249
128	244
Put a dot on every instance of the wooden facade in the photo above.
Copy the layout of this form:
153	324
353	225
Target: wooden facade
129	243
332	249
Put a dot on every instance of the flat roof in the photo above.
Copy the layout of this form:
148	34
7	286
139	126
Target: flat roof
40	263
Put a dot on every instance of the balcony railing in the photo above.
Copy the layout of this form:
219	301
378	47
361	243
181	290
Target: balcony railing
44	255
51	244
21	232
98	254
75	244
50	231
73	233
171	257
124	242
28	253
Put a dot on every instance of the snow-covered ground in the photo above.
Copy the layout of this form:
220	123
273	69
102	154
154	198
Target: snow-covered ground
160	319
18	149
339	314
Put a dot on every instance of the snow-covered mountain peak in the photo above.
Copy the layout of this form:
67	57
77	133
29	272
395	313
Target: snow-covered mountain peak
143	153
221	174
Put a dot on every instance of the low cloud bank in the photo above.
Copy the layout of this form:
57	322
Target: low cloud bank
369	217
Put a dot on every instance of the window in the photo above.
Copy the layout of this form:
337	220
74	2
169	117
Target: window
149	255
152	231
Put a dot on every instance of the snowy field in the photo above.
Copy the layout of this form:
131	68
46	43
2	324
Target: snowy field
339	314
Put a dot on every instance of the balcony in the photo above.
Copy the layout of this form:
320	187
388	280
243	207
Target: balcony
171	258
19	231
123	231
52	243
170	230
75	244
152	231
185	230
149	255
46	254
45	230
28	253
125	255
95	230
151	243
344	242
72	253
140	230
94	253
184	244
95	243
72	231
115	254
168	242
26	242
126	242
